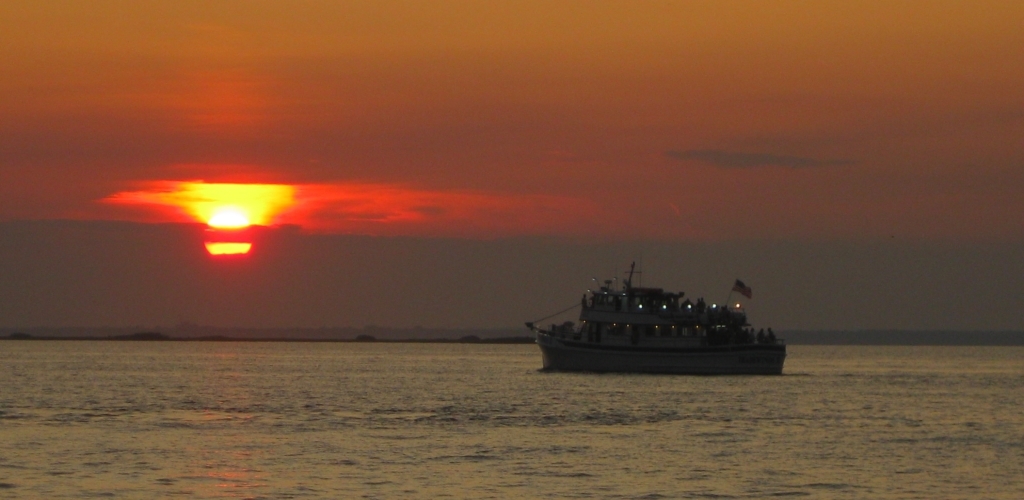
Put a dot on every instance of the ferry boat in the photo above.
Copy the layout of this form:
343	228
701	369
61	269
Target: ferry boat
649	330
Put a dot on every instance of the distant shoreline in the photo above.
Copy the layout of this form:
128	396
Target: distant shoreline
364	339
407	336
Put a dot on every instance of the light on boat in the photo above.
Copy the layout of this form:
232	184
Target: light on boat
737	305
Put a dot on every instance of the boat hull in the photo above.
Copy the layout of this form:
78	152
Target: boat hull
751	359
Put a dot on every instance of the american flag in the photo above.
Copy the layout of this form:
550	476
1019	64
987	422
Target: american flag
743	289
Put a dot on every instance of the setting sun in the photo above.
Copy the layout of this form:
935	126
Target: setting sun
227	248
229	210
228	218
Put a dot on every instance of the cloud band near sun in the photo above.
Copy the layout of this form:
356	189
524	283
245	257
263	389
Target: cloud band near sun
259	203
350	207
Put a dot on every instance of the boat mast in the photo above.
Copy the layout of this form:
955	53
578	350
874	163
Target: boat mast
629	280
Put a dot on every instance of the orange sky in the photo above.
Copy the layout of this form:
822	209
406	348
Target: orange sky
658	120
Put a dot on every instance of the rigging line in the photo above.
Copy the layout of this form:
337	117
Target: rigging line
567	309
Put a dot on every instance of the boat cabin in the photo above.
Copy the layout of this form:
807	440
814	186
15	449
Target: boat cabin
634	313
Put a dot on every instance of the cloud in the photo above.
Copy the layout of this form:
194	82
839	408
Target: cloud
354	207
260	203
728	159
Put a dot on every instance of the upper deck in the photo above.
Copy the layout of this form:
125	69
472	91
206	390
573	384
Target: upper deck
654	306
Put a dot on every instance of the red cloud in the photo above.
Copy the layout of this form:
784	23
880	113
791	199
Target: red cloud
365	208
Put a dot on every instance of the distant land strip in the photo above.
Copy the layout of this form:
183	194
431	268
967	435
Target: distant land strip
194	333
156	336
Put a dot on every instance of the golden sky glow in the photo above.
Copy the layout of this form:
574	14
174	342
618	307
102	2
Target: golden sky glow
681	120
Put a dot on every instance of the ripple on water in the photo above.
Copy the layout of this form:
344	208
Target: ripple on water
333	421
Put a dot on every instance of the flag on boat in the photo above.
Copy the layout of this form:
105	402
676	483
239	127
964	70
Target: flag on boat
743	289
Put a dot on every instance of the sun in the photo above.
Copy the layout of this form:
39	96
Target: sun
227	248
227	234
228	218
233	213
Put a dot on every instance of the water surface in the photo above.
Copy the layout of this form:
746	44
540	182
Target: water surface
83	419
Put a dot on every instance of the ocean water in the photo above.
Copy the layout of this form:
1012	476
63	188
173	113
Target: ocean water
335	420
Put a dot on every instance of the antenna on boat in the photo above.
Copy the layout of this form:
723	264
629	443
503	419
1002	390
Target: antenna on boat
641	271
629	280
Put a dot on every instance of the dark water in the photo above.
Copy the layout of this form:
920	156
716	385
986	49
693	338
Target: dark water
307	420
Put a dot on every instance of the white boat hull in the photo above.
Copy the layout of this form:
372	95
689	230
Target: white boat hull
561	354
